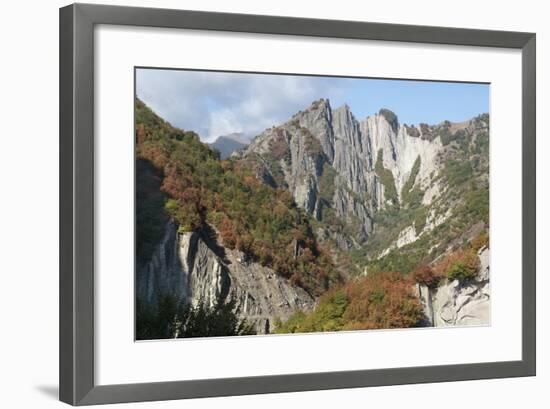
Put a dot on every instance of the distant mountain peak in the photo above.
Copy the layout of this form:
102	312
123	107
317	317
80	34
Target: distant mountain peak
228	144
236	136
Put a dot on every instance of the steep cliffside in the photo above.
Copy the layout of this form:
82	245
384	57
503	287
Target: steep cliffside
345	171
317	201
321	156
185	266
459	303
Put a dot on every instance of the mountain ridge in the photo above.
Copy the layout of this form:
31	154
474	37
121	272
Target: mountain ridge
226	145
346	173
319	200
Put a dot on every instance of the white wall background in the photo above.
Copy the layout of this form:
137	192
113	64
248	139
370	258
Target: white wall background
28	204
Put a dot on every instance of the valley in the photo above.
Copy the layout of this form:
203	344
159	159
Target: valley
321	223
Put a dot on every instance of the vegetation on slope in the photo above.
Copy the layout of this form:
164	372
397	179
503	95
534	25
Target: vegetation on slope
407	195
465	199
169	318
462	264
386	178
261	221
180	178
388	223
379	301
385	300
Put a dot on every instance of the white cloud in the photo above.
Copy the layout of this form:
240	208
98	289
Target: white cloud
214	103
223	122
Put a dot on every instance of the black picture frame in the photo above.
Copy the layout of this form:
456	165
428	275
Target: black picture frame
77	21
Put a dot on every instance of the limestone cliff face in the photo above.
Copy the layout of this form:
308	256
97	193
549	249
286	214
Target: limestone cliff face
456	303
163	274
187	266
322	147
346	173
400	150
321	156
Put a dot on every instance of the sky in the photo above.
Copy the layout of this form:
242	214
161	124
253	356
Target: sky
220	103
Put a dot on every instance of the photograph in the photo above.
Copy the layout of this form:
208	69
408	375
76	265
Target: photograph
283	203
274	204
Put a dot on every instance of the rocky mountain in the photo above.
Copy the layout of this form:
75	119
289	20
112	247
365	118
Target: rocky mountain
317	203
321	157
227	144
195	269
455	302
352	175
209	233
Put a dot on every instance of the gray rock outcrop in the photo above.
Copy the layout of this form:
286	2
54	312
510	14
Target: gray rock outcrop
185	266
455	303
322	147
343	172
163	274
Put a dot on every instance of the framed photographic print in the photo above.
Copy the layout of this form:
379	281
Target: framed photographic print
257	204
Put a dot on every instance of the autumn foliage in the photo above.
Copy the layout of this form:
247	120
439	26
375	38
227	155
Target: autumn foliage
462	265
426	275
480	241
384	300
261	221
379	301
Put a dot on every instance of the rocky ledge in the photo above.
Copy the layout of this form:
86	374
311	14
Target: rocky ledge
193	268
459	303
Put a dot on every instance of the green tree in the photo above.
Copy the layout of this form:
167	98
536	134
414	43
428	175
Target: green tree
173	318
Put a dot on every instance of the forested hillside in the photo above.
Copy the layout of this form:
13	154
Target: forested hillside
323	223
198	189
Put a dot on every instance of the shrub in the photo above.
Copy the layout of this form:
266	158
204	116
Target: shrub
425	274
171	318
460	265
326	317
294	324
480	241
382	300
